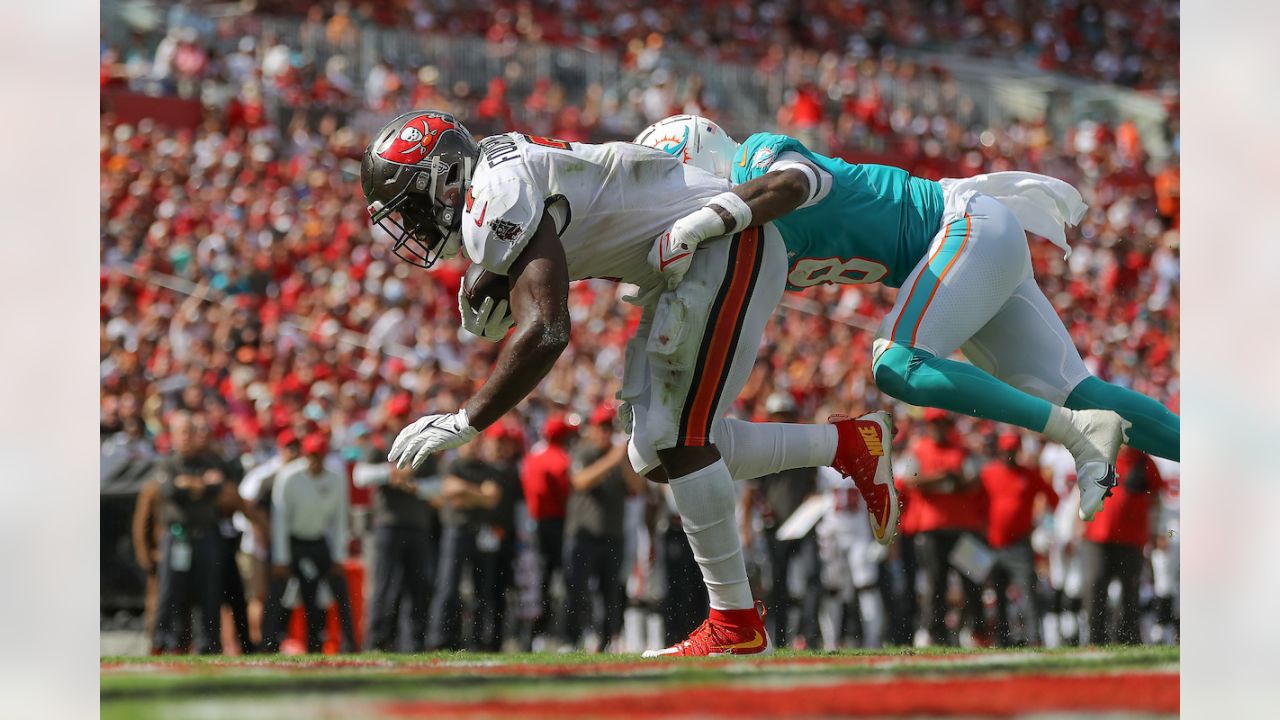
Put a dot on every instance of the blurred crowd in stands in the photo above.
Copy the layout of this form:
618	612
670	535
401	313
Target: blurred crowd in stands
254	327
1132	43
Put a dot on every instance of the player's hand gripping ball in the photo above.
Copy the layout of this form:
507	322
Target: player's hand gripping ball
484	304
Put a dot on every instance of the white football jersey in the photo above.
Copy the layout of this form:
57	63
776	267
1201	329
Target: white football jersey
609	201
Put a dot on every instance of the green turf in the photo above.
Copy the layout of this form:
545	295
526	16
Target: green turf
290	686
1138	653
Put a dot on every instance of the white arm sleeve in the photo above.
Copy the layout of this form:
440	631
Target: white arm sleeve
820	180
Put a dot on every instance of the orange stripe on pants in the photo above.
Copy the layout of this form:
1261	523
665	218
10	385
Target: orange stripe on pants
721	329
968	228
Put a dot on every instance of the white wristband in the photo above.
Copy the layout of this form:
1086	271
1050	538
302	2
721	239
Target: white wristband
736	207
700	224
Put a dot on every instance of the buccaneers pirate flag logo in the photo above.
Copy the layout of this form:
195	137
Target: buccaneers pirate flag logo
415	139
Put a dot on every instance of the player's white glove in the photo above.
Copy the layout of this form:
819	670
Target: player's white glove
491	321
430	434
673	251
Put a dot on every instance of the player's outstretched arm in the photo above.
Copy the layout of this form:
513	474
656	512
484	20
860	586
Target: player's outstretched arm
752	203
539	280
769	197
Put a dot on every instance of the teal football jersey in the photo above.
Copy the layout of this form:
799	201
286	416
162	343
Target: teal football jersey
874	226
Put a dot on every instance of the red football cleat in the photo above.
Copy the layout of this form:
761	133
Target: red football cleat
725	632
862	453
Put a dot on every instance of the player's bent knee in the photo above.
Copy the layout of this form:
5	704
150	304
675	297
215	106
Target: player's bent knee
682	460
658	475
892	372
895	373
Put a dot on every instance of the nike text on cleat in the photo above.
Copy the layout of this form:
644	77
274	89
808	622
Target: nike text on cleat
725	632
863	454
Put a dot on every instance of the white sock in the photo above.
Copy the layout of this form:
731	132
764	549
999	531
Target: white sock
706	500
753	450
1060	429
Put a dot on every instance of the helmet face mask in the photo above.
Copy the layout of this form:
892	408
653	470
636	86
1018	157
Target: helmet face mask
414	175
418	239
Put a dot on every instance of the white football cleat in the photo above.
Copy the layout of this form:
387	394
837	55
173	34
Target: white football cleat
1101	433
1096	481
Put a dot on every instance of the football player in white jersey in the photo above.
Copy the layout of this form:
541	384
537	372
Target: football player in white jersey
545	212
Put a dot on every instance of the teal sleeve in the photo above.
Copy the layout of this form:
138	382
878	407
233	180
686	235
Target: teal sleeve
757	153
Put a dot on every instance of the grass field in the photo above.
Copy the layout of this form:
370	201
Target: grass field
1139	681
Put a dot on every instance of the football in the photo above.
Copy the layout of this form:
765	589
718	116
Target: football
478	284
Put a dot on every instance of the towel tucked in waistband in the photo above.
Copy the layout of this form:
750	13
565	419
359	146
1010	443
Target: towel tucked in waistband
1041	203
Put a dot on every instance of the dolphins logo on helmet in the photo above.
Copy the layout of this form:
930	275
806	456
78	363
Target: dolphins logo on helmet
672	145
695	140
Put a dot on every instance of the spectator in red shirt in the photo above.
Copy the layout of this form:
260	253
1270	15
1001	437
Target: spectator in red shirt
1012	490
545	477
944	502
1113	544
494	107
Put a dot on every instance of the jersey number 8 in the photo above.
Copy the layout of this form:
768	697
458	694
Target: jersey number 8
808	272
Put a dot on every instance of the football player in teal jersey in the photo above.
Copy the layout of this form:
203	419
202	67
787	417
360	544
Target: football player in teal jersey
957	249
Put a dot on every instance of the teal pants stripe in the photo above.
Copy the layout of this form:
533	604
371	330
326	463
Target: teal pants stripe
1155	429
921	378
926	283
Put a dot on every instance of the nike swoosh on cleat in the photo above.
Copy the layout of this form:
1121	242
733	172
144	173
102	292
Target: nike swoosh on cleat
884	521
485	209
751	644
